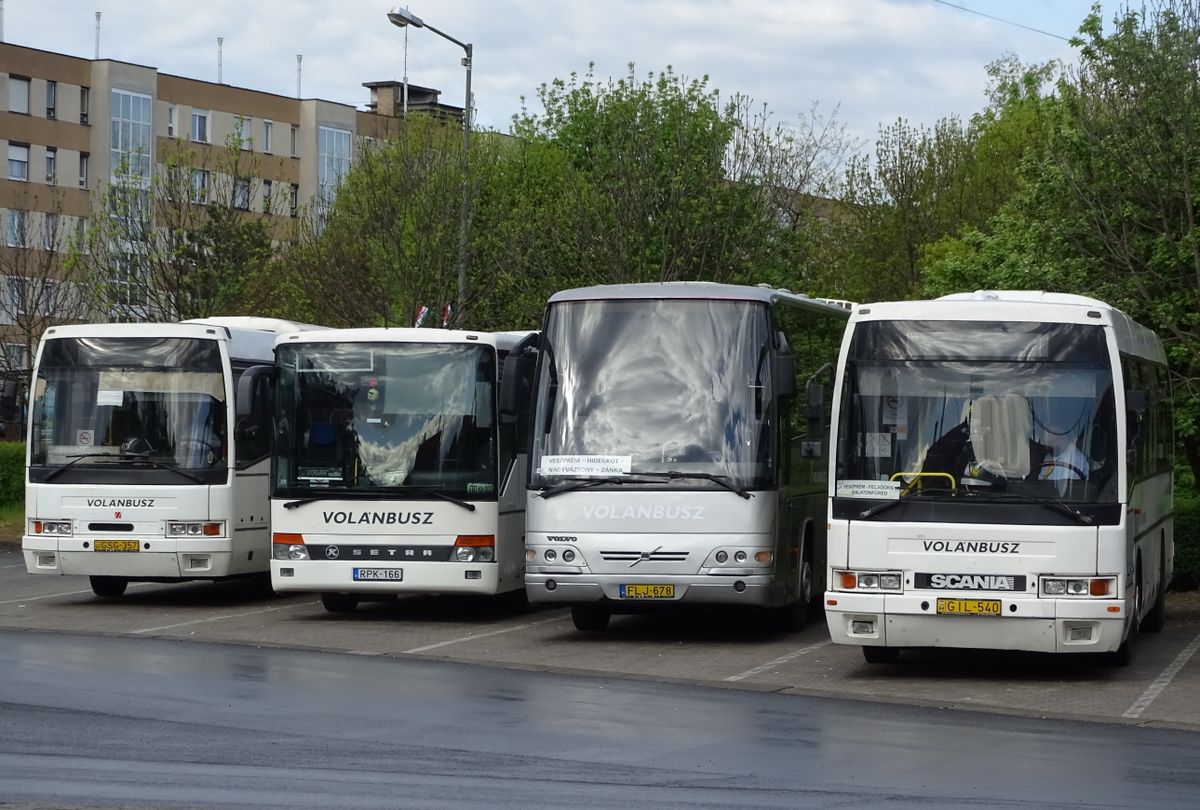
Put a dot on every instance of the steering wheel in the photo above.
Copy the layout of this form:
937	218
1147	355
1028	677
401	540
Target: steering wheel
1050	465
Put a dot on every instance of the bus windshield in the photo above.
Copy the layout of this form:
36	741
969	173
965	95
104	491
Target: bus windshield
109	409
995	410
375	418
656	386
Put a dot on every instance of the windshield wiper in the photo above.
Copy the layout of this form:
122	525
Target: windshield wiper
302	501
1049	503
886	505
75	460
470	507
723	480
144	458
375	492
580	482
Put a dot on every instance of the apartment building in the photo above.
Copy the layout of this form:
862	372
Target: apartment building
69	125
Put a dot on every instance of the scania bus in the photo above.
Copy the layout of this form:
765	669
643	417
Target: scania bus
1002	477
392	471
136	467
678	449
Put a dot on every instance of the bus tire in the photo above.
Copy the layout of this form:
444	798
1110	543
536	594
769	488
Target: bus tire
881	655
110	587
1157	617
1123	655
339	602
590	618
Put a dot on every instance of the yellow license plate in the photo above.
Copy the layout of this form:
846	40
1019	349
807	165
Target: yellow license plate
969	607
117	545
647	591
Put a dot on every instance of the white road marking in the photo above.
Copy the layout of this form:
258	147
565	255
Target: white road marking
66	593
221	618
475	636
1162	681
783	659
18	565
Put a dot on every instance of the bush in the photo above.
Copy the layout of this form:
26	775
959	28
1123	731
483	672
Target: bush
12	473
1187	541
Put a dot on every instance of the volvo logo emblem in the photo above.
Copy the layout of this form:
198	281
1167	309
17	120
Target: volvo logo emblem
332	552
643	557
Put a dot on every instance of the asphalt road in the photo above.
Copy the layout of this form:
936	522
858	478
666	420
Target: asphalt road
134	722
726	650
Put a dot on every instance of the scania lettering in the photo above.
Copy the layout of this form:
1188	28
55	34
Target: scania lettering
137	469
393	473
1011	451
679	442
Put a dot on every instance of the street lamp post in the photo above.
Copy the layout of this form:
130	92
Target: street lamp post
402	18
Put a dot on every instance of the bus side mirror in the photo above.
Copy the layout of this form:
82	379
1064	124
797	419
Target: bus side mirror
814	413
1135	403
253	397
8	400
515	381
785	375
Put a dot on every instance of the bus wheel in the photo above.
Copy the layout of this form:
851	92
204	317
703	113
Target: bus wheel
881	655
1124	654
590	618
1157	617
792	618
339	602
109	586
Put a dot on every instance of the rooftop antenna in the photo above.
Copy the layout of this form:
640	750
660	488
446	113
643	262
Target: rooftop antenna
220	45
97	35
299	59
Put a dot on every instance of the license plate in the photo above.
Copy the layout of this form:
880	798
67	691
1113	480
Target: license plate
378	574
969	607
647	591
116	545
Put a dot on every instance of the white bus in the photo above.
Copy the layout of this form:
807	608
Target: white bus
136	468
1002	477
678	449
392	471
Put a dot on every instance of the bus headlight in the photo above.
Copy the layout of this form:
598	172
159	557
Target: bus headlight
892	581
474	548
1079	586
288	546
59	528
196	528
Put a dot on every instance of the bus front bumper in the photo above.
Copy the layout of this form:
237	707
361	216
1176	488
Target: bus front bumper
1032	624
413	577
564	589
156	558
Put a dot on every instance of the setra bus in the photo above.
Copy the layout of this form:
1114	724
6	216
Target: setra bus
678	449
393	473
1002	477
136	467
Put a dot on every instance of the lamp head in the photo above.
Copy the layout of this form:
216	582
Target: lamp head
402	17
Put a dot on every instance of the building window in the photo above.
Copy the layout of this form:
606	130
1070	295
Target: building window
18	95
49	231
18	161
51	99
200	126
51	164
267	127
48	302
172	120
81	237
16	355
241	194
294	200
200	186
266	200
333	162
129	148
241	126
295	140
14	228
85	95
83	169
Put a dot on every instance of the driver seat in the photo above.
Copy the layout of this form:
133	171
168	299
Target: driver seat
1001	429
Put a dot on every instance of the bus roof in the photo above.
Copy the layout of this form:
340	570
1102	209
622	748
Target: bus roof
421	334
1021	305
702	290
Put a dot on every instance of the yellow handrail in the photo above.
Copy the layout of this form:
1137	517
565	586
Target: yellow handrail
917	476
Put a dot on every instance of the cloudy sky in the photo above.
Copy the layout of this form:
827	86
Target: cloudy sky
872	60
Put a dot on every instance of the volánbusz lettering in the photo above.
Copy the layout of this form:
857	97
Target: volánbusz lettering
972	547
120	503
379	518
656	512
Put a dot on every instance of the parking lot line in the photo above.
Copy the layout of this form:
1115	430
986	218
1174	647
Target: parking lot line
1162	681
221	618
783	659
475	636
18	565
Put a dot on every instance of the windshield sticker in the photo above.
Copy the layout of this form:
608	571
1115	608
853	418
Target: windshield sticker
85	438
474	488
109	397
586	465
878	445
320	474
879	490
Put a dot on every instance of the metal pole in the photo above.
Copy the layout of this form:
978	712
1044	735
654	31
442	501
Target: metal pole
464	224
97	34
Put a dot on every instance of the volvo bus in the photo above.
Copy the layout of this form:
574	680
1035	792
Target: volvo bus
678	450
137	469
393	473
1002	477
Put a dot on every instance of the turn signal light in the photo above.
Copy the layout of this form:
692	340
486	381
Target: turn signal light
287	539
849	580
